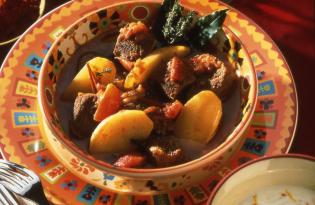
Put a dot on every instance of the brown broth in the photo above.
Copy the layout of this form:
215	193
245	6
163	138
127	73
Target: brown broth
103	47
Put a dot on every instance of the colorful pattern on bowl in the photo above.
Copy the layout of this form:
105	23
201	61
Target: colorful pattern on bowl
133	180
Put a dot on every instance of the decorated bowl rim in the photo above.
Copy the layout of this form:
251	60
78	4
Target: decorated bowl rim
252	162
145	173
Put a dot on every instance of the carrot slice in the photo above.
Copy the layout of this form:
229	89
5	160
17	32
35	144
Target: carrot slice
109	102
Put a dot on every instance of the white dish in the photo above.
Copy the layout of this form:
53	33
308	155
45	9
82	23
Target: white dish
276	180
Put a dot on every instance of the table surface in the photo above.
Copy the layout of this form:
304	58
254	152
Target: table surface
291	26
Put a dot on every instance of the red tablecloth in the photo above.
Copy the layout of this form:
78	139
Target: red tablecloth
291	25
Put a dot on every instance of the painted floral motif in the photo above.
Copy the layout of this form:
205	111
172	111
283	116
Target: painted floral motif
107	177
69	185
28	132
34	62
81	166
260	74
32	75
266	104
89	194
23	103
43	160
56	60
56	172
104	199
235	51
101	21
121	184
151	185
254	146
260	133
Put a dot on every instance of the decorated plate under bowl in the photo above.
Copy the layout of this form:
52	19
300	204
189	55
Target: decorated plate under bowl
271	132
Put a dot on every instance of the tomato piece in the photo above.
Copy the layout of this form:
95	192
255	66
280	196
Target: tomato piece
171	111
130	160
109	102
177	71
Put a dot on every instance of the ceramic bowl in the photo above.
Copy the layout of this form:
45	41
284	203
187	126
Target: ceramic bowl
53	78
281	179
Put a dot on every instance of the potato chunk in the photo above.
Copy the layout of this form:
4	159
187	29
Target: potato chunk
103	70
200	117
114	133
144	67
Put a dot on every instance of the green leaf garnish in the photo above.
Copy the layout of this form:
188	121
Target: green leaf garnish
174	25
177	25
207	27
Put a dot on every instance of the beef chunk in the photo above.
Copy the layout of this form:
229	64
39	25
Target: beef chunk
128	50
164	117
177	77
82	125
222	81
165	151
205	63
220	77
162	125
134	41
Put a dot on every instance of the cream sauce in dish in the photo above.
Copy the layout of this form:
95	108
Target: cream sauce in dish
281	195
